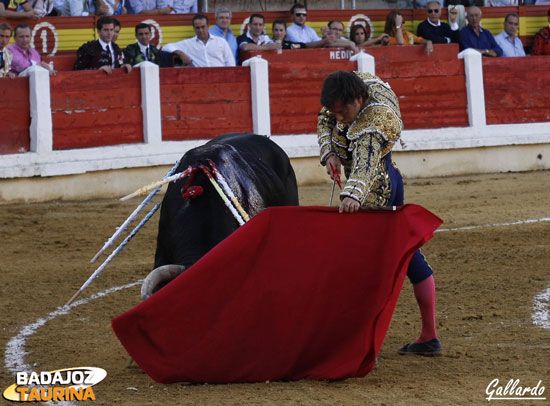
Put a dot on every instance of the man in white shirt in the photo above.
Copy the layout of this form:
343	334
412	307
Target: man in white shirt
511	45
203	50
299	32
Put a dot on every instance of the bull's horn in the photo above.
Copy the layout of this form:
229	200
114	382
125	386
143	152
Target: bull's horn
161	275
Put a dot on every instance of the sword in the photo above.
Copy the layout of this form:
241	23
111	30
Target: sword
332	193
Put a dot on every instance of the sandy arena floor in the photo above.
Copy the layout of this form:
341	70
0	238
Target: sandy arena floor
487	280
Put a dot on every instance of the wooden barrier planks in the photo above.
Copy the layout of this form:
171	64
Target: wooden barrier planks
199	103
516	89
295	91
431	89
15	116
91	109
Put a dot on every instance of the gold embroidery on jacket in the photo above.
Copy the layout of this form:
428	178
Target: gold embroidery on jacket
363	145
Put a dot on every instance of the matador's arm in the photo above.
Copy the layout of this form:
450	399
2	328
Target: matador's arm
330	136
366	156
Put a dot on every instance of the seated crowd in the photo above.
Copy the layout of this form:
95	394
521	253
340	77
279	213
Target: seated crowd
218	46
79	8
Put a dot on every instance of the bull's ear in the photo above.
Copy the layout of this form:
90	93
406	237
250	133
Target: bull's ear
158	278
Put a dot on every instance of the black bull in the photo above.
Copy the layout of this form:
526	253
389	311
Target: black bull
259	174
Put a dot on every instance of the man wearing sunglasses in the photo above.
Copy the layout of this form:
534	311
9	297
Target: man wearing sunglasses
298	31
437	31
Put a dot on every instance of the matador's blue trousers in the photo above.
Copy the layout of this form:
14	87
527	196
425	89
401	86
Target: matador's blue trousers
419	269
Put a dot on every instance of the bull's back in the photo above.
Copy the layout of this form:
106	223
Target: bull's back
191	227
265	155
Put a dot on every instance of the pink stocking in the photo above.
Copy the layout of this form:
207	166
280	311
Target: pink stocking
425	297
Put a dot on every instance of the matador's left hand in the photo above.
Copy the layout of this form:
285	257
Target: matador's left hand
349	205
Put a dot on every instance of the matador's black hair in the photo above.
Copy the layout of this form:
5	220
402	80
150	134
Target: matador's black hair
344	86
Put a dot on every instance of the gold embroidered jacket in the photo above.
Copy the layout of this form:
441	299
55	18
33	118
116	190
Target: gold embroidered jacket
362	145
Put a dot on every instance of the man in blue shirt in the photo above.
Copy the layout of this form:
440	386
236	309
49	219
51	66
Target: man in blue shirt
511	45
221	29
473	36
298	31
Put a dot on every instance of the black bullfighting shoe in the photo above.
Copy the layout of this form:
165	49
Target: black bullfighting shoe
427	348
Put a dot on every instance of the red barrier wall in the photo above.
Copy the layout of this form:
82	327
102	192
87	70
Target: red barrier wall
91	108
431	89
295	90
516	89
15	116
204	102
62	62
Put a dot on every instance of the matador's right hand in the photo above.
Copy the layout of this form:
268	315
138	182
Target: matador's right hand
333	161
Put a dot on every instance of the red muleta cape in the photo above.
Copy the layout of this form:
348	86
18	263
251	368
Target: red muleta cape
297	292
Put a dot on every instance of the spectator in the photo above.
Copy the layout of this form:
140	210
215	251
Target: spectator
8	9
511	45
437	31
473	36
299	32
336	28
142	50
501	3
5	53
279	35
399	36
102	54
359	35
116	31
203	50
424	3
332	38
44	8
151	7
110	7
255	39
23	56
541	41
185	6
465	3
78	8
222	29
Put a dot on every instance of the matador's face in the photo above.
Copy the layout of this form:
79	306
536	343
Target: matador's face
346	113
